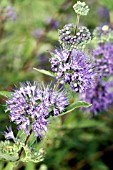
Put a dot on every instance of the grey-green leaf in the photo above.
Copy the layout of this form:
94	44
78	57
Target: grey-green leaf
8	157
46	72
75	105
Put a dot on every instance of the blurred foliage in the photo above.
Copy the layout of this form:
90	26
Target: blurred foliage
75	147
74	141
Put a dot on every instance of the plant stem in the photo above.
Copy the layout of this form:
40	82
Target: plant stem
77	23
76	27
57	84
22	149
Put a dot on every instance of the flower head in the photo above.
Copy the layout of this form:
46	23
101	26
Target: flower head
103	59
103	33
103	14
10	13
81	8
100	96
52	22
31	105
70	41
37	33
76	72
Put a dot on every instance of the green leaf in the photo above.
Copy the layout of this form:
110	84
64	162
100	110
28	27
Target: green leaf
9	166
8	157
5	93
30	166
21	135
74	106
49	73
98	164
32	139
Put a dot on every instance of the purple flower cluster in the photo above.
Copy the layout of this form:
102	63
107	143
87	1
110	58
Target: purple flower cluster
65	35
102	30
69	40
72	69
37	33
52	22
103	14
31	105
10	13
103	33
100	96
103	59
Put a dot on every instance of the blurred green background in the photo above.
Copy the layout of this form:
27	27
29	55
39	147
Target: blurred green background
28	31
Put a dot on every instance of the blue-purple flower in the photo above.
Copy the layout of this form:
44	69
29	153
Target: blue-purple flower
70	40
10	13
52	22
100	96
37	33
73	69
31	105
103	14
103	33
103	59
9	133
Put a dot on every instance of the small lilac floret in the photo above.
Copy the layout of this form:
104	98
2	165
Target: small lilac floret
9	133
